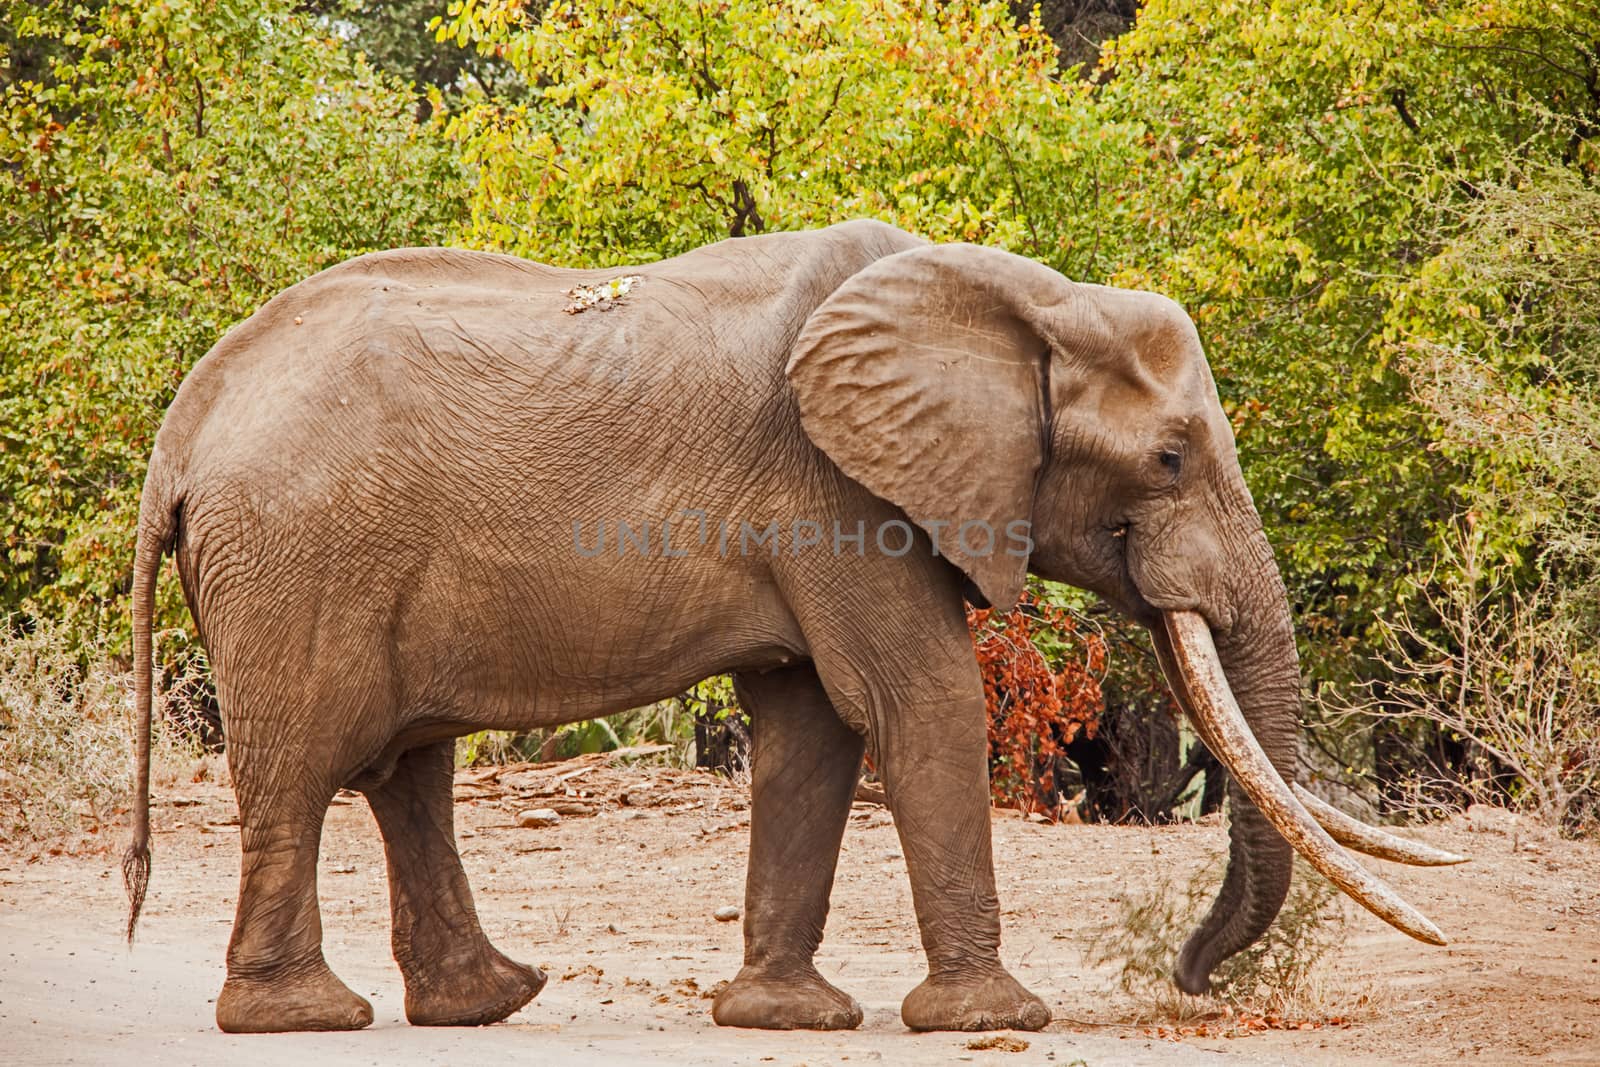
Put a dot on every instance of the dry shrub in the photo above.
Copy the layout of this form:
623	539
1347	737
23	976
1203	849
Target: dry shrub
1510	672
1041	669
67	732
1281	978
489	748
1499	646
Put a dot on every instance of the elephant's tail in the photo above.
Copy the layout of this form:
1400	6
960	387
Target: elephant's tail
158	521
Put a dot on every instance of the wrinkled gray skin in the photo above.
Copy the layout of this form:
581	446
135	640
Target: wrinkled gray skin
370	488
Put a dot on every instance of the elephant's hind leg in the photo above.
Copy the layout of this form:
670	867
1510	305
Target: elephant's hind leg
804	771
277	977
453	976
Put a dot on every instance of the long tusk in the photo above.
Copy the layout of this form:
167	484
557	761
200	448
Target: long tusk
1371	840
1220	721
1341	827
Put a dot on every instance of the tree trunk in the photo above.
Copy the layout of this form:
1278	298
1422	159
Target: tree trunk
721	737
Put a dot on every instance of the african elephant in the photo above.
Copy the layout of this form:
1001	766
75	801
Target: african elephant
430	491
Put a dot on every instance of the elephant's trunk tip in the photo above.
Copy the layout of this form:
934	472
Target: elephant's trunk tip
135	879
1191	978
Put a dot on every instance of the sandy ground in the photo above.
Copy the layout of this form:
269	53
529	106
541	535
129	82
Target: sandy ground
616	904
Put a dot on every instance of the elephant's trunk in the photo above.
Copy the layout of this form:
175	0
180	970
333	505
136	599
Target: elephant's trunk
1262	669
1242	694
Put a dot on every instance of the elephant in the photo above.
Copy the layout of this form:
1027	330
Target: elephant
427	492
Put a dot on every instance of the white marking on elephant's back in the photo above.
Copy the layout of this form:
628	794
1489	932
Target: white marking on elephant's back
602	297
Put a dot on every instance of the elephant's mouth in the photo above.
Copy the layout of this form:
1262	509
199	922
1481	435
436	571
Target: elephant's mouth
1315	830
1149	592
1124	593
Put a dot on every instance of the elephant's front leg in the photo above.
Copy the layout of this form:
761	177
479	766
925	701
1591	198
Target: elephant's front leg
912	682
934	765
453	975
804	769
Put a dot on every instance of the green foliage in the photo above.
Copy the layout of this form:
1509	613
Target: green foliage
1295	216
1381	215
394	36
661	126
1511	376
1301	169
175	165
713	701
1501	648
666	722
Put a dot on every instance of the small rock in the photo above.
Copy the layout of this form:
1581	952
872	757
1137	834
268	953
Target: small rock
538	818
342	868
726	914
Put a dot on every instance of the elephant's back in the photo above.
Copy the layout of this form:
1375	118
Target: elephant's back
416	399
436	343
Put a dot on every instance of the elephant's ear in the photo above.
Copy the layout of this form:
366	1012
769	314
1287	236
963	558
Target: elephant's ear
924	377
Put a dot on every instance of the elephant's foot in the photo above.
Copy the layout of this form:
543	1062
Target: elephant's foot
476	991
308	997
992	1001
796	999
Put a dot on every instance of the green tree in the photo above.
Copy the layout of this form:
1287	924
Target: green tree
659	126
396	37
1367	206
1299	169
175	165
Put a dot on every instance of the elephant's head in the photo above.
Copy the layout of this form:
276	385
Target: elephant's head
969	386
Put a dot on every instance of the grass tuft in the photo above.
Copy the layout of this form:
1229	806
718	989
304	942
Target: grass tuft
1283	976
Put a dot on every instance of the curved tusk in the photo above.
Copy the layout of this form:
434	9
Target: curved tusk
1219	717
1371	840
1343	828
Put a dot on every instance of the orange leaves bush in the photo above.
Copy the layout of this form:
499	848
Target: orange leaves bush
1041	681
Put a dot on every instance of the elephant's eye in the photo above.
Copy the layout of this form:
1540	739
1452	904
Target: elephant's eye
1172	460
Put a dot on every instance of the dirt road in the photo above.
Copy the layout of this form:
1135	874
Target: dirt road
617	907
